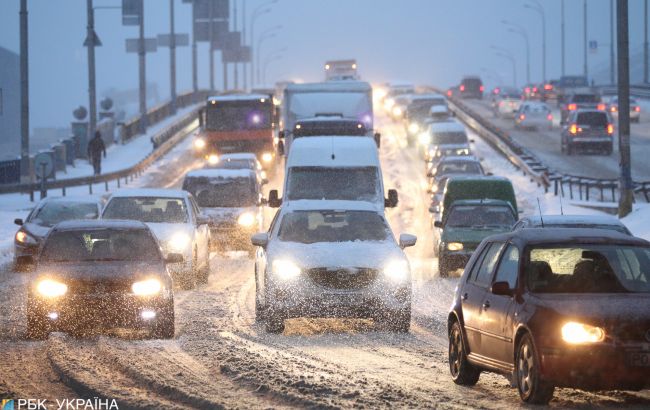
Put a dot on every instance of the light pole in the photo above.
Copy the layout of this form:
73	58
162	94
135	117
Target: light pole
91	43
269	59
502	52
562	35
24	92
645	41
265	35
493	74
536	6
626	194
584	37
518	29
172	58
612	59
263	8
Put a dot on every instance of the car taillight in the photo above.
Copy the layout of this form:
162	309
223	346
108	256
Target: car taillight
601	107
610	129
573	129
527	90
462	87
572	107
522	117
637	109
496	91
449	93
613	108
549	117
534	89
481	88
548	87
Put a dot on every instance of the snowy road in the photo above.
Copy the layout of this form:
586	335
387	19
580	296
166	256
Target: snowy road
221	358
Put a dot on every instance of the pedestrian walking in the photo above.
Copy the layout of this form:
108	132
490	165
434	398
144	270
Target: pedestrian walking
95	149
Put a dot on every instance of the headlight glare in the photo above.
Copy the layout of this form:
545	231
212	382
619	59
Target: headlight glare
285	270
246	219
397	271
414	128
424	138
51	288
199	143
24	237
213	159
455	246
579	333
267	157
146	287
179	242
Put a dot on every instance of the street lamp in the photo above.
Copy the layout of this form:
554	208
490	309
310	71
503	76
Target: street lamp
263	8
492	74
518	29
266	34
536	6
271	58
502	52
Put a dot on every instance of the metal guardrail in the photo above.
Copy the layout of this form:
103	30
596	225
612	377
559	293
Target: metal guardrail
575	186
164	141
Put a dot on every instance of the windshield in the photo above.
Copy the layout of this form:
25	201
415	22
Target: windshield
333	226
585	98
222	193
100	245
227	116
54	212
459	167
478	216
354	184
589	269
147	209
455	137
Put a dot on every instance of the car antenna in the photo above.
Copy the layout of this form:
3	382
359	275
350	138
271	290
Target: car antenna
541	218
333	156
561	207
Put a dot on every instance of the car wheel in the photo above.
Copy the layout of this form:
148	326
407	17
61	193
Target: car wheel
259	308
443	268
164	327
274	322
532	389
462	372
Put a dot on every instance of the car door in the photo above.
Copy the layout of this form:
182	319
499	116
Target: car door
473	294
261	263
496	323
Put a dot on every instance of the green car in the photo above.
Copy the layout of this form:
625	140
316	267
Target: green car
465	225
477	187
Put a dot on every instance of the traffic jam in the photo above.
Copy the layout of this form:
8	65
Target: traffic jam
341	244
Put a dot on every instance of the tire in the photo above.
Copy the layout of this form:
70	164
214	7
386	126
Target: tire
37	327
274	322
259	309
532	389
462	372
165	327
443	267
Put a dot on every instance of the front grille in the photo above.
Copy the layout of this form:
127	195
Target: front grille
343	278
90	287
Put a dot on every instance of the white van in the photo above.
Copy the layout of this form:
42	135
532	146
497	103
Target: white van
334	168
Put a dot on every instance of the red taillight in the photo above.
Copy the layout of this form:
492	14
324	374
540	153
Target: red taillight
527	90
522	117
534	89
601	107
462	87
548	87
497	91
637	109
549	117
610	129
481	88
573	129
449	93
572	107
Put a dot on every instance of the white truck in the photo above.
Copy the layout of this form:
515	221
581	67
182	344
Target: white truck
346	99
341	70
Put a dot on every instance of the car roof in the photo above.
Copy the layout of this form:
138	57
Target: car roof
541	236
150	192
77	224
466	178
575	219
329	86
447	126
333	151
320	205
239	97
221	173
487	201
238	155
459	158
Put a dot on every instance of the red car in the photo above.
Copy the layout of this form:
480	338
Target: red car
554	307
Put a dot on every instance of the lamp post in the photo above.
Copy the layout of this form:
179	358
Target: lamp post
24	92
502	52
536	6
260	10
562	35
266	34
626	194
269	59
584	38
518	29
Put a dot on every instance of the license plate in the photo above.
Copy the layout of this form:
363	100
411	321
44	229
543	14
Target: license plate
639	359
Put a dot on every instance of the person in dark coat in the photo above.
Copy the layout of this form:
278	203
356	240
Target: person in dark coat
95	148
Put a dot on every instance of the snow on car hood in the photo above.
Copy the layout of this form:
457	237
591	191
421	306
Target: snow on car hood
359	254
37	231
226	214
164	231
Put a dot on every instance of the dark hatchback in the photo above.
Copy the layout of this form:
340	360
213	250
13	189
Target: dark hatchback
101	274
554	308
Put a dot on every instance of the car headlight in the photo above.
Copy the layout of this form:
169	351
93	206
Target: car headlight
285	270
24	237
51	288
455	246
179	242
414	128
463	151
246	219
146	287
579	333
397	271
199	143
213	159
424	138
267	157
397	111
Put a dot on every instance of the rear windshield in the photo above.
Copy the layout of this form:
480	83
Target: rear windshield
222	192
455	137
512	95
573	82
238	116
585	98
480	216
145	209
536	109
52	213
589	269
333	226
472	82
100	245
459	167
333	183
595	119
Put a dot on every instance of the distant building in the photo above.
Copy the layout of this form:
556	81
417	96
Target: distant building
9	104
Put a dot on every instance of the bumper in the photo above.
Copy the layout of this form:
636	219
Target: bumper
598	143
594	368
110	310
456	260
21	250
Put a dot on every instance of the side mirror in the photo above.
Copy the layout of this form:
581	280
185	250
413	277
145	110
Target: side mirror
274	199
377	139
260	239
407	240
392	200
174	258
437	224
502	289
202	220
19	221
281	147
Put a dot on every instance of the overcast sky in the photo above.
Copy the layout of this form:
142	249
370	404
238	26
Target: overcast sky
423	41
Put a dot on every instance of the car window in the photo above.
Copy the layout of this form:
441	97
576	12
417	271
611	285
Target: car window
484	273
477	264
508	267
52	213
593	118
147	209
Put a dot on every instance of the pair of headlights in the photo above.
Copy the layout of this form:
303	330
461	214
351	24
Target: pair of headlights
52	288
397	270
